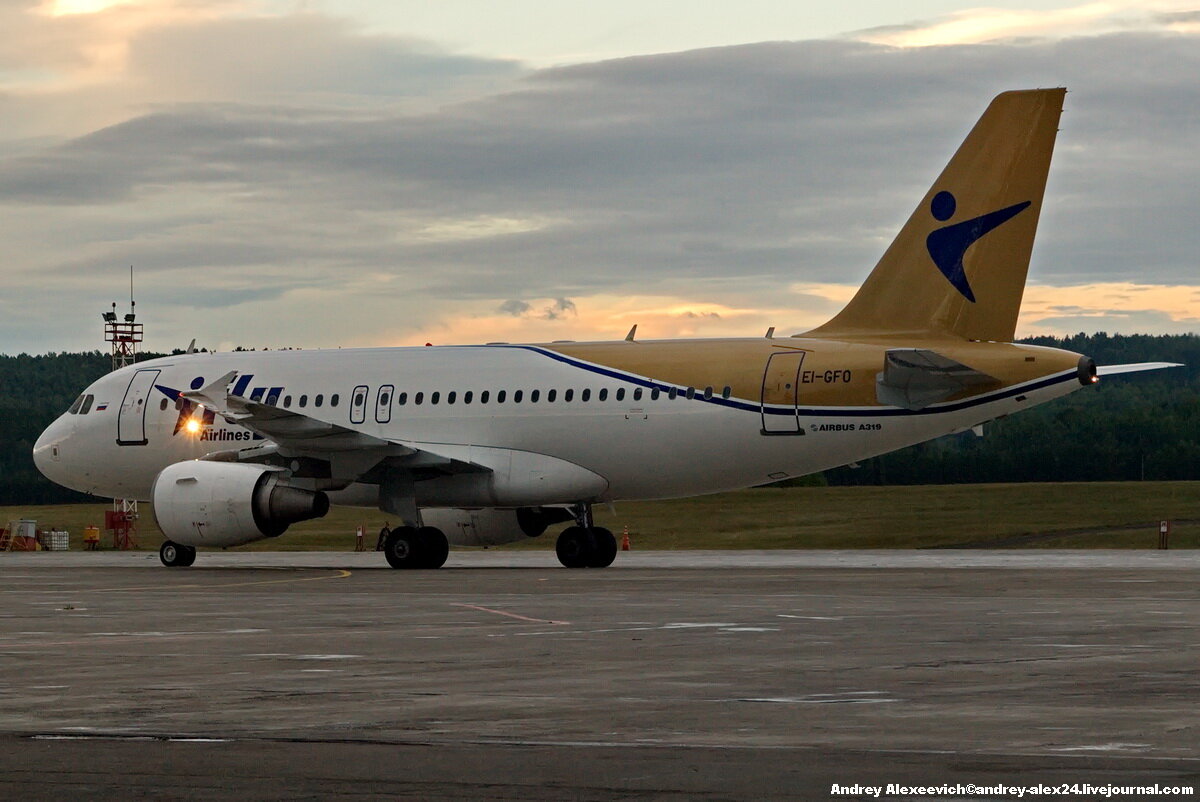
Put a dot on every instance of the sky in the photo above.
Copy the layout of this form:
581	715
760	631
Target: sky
321	174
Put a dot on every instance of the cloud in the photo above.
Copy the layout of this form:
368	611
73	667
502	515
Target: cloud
561	308
62	74
726	179
514	308
985	24
1111	306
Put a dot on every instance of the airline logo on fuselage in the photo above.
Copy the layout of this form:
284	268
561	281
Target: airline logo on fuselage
948	245
187	412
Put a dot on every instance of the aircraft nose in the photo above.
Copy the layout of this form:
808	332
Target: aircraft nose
47	451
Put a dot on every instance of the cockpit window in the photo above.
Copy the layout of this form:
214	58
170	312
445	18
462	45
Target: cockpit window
87	404
75	407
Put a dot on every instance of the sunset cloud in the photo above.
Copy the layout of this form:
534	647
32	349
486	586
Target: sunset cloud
986	24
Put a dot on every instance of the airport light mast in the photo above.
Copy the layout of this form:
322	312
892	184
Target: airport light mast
123	337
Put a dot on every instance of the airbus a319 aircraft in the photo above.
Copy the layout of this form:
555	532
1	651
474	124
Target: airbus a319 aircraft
480	445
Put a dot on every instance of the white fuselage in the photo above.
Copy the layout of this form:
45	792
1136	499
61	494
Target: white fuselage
619	446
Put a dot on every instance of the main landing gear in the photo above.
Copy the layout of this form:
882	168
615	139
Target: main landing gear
175	555
586	545
409	547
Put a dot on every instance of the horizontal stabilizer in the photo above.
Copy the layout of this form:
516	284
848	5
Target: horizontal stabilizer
914	378
1135	367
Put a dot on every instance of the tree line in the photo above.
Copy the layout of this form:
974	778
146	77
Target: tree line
1132	427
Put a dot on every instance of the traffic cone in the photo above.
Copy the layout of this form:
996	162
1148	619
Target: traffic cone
625	539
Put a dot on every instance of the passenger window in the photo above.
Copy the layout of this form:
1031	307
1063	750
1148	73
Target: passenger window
727	391
401	399
318	400
433	399
87	404
603	393
333	400
467	397
418	398
483	397
707	393
500	396
450	396
672	394
691	393
586	395
550	395
655	393
303	401
163	405
518	395
637	394
358	400
383	400
534	395
568	395
287	400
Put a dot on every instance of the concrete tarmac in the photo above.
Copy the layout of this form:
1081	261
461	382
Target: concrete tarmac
689	675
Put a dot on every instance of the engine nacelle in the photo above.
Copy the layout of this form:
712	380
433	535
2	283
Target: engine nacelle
491	527
203	503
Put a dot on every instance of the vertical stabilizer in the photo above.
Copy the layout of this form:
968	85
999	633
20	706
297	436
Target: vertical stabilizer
958	266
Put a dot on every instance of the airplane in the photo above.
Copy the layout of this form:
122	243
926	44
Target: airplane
486	444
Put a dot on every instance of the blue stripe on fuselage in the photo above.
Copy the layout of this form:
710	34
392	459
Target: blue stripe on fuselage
748	406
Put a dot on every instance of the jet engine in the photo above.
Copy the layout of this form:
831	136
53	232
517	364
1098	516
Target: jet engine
202	503
491	527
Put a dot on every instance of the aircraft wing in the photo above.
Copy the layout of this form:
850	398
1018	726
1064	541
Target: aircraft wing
914	378
1134	367
292	430
346	453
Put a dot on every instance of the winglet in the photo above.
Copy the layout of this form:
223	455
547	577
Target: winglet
214	394
629	336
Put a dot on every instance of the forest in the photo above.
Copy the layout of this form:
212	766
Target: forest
1138	427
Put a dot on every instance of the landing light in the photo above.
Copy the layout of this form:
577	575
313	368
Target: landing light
192	426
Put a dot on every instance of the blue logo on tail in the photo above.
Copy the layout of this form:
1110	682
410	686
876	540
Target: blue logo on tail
948	245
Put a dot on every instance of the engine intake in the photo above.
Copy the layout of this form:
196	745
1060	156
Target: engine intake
203	503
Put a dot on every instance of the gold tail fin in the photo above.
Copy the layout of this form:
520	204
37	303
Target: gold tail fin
958	266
